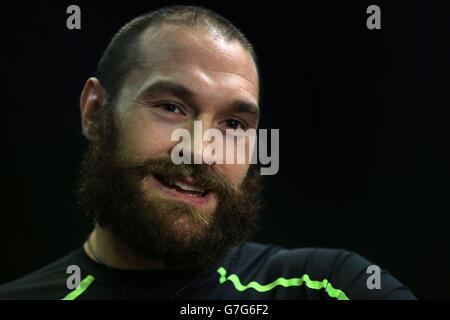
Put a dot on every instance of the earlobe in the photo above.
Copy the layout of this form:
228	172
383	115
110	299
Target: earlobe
91	101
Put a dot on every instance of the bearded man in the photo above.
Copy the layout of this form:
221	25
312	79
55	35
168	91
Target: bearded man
181	231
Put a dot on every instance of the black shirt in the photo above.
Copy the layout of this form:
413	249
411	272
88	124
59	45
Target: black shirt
249	271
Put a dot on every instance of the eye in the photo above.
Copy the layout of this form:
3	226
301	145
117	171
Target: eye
234	124
170	107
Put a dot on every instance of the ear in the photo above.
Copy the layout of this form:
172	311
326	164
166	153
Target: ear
91	101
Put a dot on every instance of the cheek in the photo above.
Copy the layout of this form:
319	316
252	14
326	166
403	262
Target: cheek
143	137
234	172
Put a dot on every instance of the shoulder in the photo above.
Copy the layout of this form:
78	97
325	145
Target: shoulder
318	273
49	282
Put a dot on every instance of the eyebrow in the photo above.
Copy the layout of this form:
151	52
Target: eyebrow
164	87
240	106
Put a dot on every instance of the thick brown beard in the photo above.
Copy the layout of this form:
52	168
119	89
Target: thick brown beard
110	193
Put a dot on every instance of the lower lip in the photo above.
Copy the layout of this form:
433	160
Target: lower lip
194	200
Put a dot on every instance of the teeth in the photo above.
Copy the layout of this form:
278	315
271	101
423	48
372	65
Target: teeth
187	187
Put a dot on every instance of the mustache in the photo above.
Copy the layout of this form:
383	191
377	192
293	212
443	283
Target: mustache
204	175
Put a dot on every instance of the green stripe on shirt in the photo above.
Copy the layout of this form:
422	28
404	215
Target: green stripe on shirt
292	282
82	288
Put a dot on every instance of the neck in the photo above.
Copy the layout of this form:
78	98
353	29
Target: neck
116	254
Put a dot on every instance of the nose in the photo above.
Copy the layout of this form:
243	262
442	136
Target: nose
198	144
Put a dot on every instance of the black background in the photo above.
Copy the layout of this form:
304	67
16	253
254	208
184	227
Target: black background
363	115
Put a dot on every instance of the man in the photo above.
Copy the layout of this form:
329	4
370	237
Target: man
180	231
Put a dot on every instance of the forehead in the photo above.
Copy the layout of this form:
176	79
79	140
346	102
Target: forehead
201	59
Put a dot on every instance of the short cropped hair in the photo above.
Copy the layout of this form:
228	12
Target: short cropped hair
123	50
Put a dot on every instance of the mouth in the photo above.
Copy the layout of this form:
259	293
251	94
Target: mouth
185	189
187	186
